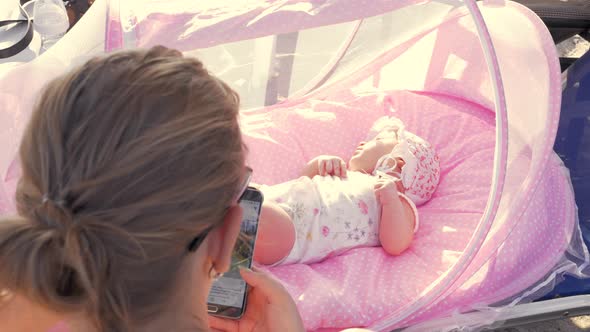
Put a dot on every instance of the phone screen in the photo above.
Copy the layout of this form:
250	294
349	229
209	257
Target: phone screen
227	297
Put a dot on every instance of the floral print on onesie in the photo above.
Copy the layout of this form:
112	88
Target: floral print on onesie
330	214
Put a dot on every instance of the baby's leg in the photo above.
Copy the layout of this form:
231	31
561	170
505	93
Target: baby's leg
276	235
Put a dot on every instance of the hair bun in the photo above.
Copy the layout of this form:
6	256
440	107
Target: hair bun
53	214
80	259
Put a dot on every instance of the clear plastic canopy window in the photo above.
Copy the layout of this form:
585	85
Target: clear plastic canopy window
480	81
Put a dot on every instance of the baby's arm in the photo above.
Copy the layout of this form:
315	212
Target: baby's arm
325	165
396	228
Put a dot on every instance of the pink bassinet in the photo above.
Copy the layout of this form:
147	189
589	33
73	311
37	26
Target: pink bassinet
315	75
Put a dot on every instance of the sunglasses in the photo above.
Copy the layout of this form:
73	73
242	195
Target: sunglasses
196	242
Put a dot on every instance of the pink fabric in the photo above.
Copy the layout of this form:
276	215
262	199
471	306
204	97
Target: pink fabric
188	25
533	247
363	285
527	59
19	89
113	31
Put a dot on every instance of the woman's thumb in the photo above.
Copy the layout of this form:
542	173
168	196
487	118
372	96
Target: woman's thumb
271	288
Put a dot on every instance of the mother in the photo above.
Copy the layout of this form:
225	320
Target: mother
126	161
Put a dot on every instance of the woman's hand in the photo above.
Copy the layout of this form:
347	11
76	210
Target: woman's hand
270	308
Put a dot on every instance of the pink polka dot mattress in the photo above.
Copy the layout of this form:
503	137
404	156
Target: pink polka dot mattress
364	285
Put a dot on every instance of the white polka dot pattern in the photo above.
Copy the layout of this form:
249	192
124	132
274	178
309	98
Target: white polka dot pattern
364	285
533	247
338	291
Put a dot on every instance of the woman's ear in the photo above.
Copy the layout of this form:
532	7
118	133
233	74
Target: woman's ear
223	239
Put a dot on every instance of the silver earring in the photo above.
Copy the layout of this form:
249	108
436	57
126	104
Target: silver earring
213	274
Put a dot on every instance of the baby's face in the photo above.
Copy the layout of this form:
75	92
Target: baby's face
368	153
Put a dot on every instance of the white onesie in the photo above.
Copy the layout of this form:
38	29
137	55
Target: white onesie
330	214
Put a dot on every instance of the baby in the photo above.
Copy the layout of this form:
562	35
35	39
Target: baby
332	208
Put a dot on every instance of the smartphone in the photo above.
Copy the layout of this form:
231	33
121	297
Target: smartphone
229	293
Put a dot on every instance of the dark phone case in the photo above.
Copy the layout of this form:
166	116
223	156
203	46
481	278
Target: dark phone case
255	195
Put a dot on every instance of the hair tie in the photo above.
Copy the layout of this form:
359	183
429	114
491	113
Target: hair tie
60	203
48	209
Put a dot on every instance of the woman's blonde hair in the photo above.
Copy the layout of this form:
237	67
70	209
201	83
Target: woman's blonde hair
125	160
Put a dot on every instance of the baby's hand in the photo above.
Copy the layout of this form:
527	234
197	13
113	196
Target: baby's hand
386	191
331	165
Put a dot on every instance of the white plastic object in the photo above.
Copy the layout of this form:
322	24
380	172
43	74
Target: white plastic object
51	21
